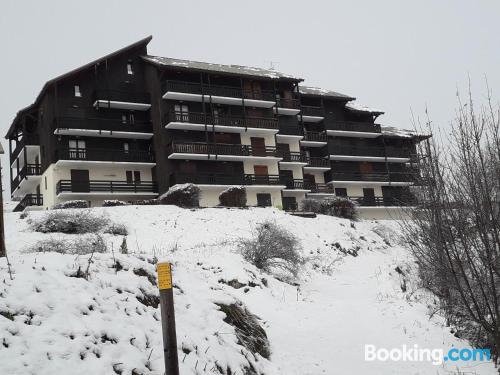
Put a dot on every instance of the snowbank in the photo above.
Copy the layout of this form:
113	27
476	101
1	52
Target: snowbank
349	295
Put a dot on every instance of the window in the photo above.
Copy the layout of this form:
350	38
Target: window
128	175
133	176
181	112
124	119
341	192
126	147
131	119
129	69
78	93
77	149
45	182
137	176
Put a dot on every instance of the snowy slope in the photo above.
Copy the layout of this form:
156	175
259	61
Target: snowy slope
105	325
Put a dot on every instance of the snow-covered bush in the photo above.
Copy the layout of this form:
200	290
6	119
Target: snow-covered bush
113	203
116	229
272	248
311	205
234	196
185	195
338	206
71	204
85	244
146	202
71	222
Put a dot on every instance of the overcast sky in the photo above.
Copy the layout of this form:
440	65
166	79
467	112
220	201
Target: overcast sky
390	54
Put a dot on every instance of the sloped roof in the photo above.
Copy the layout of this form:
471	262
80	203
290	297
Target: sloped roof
390	131
361	108
221	68
139	43
318	91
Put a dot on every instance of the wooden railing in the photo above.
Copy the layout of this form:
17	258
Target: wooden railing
217	90
27	139
374	176
221	149
308	110
369	151
29	200
318	162
287	103
296	157
315	136
224	179
204	118
353	126
63	186
105	154
122	96
103	124
384	201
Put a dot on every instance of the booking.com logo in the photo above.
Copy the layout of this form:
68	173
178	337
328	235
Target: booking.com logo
416	354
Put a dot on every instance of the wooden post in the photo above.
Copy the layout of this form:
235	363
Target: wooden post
168	318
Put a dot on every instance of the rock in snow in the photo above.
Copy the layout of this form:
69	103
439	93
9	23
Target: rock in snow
54	321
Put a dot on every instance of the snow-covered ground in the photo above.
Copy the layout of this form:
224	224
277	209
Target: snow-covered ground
59	324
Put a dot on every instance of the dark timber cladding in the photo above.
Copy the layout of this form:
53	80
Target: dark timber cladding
130	126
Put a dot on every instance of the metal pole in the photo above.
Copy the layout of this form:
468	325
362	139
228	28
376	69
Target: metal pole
168	318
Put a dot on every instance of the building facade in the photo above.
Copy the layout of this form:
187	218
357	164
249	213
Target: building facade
129	126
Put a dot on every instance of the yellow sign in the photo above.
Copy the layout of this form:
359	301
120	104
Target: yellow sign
164	276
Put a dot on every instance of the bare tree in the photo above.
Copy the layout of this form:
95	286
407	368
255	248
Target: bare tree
455	235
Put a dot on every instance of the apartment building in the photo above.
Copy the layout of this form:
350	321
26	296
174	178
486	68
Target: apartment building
130	126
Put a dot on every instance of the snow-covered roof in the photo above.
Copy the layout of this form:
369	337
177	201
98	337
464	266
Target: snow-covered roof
390	131
361	108
318	91
229	69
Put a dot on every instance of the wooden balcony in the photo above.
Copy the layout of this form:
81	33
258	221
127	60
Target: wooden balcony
316	162
312	113
119	99
350	153
28	201
321	188
384	201
224	179
26	140
314	139
230	124
103	127
194	91
105	154
181	150
27	171
393	177
293	157
111	187
353	129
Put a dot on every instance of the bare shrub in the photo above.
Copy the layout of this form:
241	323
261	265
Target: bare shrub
116	229
234	196
272	247
70	222
113	203
85	244
124	246
186	195
249	332
71	204
337	206
455	232
311	205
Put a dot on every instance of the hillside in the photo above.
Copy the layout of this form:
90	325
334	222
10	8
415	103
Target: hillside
355	289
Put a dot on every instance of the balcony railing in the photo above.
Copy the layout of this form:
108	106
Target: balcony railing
224	179
308	110
293	157
105	154
217	90
287	103
369	151
26	140
203	118
221	149
29	200
103	124
130	96
292	184
318	162
290	130
354	126
384	201
315	136
321	188
374	176
25	171
97	186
